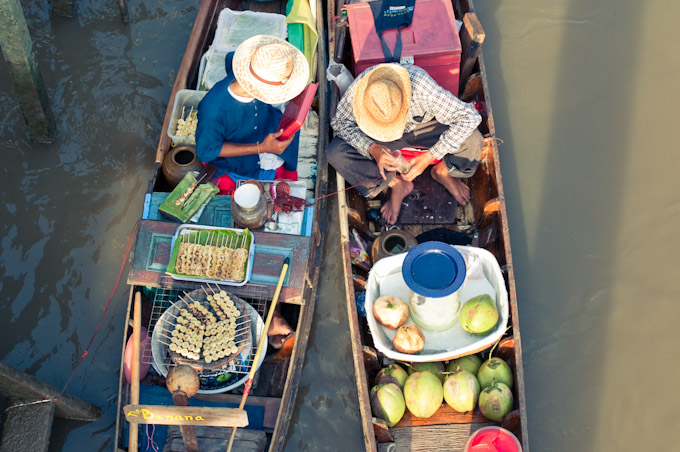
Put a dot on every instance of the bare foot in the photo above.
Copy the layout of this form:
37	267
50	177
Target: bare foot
458	189
279	329
400	189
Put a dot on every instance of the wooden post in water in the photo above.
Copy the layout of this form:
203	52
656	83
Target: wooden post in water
17	48
124	15
31	409
63	8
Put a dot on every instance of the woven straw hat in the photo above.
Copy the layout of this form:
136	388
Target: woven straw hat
270	69
381	102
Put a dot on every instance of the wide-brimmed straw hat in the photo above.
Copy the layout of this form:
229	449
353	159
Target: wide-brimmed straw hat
381	102
270	69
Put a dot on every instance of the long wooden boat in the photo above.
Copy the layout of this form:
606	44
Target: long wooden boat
270	403
483	221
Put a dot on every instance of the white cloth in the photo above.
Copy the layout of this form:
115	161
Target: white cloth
270	161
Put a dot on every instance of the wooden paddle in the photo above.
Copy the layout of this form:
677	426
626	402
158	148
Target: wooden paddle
260	347
134	379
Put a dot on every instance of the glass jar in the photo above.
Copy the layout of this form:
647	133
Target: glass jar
248	207
434	272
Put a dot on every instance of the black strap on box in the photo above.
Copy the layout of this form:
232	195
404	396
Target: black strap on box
389	14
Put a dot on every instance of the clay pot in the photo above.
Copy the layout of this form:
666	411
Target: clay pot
394	241
178	162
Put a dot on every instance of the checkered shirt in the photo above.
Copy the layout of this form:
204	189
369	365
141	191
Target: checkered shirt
428	101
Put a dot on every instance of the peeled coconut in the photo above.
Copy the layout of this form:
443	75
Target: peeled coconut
479	315
461	391
387	403
409	339
470	363
423	394
494	370
495	402
393	373
436	368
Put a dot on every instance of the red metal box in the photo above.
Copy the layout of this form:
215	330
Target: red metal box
431	39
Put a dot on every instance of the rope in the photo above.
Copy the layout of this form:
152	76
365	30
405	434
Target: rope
34	402
108	303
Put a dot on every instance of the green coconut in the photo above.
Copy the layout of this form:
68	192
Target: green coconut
470	363
393	373
479	315
423	393
436	368
495	402
387	403
494	370
461	391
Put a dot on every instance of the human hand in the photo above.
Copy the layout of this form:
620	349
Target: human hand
272	145
418	165
383	158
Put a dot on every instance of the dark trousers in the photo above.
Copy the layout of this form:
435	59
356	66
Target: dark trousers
357	169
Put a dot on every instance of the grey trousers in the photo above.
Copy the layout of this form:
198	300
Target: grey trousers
357	169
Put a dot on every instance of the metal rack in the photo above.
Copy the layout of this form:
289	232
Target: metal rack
170	293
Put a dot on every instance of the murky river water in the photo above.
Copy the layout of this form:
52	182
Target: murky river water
584	98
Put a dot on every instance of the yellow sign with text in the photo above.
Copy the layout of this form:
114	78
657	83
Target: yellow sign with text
185	415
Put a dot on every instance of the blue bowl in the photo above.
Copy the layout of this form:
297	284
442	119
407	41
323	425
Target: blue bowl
433	269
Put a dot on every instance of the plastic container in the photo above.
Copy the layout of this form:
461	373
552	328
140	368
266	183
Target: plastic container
211	70
431	41
493	439
187	98
234	27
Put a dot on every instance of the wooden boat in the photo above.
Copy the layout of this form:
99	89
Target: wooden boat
483	221
270	403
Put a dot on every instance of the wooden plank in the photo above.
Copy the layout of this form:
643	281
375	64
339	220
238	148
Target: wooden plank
185	415
152	253
17	48
428	203
18	385
271	404
215	439
434	437
444	415
355	331
27	426
471	36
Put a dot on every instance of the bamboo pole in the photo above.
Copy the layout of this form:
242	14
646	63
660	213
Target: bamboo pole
263	337
134	379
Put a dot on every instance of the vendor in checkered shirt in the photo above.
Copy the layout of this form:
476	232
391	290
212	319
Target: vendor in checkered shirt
392	107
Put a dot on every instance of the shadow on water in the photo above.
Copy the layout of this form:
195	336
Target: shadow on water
326	416
68	207
563	82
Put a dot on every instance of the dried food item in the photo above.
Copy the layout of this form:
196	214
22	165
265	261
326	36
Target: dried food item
212	261
409	339
390	311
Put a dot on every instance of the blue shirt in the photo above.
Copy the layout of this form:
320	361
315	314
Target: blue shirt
223	118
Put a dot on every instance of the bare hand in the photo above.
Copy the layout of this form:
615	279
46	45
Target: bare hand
383	158
418	164
272	145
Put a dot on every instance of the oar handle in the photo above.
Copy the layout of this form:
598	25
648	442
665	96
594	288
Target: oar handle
263	337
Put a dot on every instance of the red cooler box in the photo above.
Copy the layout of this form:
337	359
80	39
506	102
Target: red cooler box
431	39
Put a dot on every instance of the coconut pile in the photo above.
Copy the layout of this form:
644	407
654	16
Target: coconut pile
464	383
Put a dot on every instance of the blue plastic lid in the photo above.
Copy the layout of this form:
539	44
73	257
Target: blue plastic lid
433	269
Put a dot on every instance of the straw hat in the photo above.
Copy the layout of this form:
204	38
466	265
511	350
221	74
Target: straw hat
381	102
270	69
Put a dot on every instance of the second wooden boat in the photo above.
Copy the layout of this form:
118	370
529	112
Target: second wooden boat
482	223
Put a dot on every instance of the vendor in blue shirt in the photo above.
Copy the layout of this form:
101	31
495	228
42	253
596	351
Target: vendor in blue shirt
237	123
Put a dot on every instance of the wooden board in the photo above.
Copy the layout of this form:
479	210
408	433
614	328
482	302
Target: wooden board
434	437
271	404
444	415
152	253
185	415
428	203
